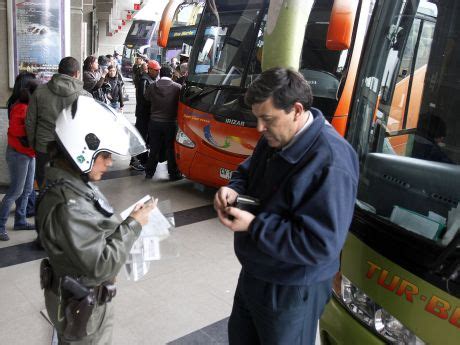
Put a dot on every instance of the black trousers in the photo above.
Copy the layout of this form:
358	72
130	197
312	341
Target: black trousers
42	159
142	125
161	136
272	314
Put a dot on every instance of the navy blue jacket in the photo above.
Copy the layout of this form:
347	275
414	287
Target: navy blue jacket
307	193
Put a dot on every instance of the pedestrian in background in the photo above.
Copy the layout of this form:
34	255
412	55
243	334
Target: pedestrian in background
148	75
136	71
46	104
164	99
304	177
94	79
183	70
20	158
115	92
20	83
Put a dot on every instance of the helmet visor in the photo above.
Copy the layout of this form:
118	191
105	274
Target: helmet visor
135	144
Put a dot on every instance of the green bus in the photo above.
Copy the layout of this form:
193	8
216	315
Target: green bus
399	281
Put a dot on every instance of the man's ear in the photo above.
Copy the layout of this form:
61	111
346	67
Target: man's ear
298	110
77	75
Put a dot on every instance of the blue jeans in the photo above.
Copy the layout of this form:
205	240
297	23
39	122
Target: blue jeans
22	169
115	105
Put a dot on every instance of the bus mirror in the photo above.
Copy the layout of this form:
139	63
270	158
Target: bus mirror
341	24
166	22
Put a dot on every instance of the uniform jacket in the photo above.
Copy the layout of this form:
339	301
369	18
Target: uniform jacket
307	197
164	98
17	130
45	105
79	240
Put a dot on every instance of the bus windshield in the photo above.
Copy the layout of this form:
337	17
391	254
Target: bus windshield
230	43
405	124
225	45
140	33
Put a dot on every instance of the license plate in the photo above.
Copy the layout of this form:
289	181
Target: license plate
225	173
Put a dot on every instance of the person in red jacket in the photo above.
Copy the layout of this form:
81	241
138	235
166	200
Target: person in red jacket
21	165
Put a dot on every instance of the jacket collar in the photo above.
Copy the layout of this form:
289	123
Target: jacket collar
296	151
60	173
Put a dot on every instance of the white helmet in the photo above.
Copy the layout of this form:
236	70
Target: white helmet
89	127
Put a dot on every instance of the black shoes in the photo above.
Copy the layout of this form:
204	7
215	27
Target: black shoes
136	165
175	177
148	177
26	226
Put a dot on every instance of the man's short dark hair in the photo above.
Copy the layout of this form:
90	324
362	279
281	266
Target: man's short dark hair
69	66
285	86
102	60
166	71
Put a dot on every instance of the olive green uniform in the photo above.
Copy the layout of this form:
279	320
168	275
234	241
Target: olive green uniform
82	243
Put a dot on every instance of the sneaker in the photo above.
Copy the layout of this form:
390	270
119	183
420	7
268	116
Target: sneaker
4	237
136	165
26	226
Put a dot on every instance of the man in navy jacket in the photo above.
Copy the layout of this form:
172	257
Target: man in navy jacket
305	176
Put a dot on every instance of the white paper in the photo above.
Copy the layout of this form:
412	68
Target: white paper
151	248
147	247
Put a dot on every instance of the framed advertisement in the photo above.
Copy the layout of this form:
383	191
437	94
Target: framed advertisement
38	39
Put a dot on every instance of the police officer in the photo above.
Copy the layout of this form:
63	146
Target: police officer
85	244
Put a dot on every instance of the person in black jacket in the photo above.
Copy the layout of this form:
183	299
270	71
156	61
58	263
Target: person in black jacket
164	100
115	93
149	73
305	177
94	78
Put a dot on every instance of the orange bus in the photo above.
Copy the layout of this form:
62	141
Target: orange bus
238	39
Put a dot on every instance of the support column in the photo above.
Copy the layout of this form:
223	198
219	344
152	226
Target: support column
5	91
281	47
77	49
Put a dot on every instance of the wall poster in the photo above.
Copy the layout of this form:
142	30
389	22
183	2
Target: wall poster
37	36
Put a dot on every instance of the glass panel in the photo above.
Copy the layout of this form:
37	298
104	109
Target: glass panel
188	14
127	53
405	124
224	47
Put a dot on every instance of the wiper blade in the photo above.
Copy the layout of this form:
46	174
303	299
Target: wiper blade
204	92
207	89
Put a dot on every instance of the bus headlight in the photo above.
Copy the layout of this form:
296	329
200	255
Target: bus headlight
372	315
183	139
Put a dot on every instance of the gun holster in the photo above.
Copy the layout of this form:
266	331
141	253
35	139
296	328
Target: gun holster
106	292
46	274
77	314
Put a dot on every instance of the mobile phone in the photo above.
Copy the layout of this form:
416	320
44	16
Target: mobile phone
244	201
